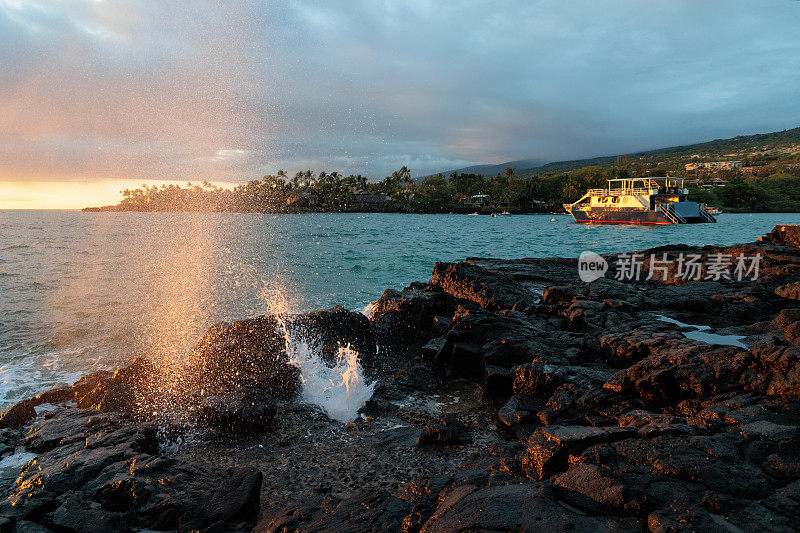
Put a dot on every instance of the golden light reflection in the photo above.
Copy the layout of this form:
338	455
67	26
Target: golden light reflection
162	294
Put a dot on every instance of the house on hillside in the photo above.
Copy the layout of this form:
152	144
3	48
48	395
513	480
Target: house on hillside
714	165
713	184
370	201
477	200
722	165
303	199
538	205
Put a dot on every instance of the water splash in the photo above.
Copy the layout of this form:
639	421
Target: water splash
369	309
340	390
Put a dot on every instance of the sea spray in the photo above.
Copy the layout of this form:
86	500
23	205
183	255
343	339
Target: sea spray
340	390
369	309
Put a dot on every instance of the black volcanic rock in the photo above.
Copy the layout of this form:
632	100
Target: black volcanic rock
88	383
784	235
101	471
443	431
492	290
252	353
461	355
548	448
486	347
336	327
17	414
790	290
247	353
597	490
241	412
411	317
366	511
126	390
516	507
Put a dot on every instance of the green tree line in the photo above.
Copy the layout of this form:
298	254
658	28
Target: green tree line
777	193
458	192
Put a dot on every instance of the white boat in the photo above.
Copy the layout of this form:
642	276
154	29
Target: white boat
660	200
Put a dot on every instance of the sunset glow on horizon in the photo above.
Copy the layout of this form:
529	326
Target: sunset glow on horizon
74	194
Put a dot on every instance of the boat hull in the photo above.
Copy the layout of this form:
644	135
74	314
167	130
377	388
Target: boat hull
652	201
626	216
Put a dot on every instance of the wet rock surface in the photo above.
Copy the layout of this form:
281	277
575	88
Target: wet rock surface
243	411
102	471
443	431
510	396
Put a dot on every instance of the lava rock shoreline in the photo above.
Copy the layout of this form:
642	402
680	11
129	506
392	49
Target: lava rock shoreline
510	396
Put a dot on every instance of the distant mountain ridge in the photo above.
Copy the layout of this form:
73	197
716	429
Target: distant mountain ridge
717	147
490	170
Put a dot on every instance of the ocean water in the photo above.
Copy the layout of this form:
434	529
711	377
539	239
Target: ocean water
84	291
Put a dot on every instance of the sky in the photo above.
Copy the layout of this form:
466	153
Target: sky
98	94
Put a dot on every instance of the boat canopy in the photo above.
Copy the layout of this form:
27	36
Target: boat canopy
645	183
638	186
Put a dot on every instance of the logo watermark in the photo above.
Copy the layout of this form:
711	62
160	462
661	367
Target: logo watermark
683	266
591	266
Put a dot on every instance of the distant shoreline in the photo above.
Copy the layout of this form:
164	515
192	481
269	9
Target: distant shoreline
455	211
113	209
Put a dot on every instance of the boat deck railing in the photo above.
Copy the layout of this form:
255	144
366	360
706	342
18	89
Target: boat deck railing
622	192
708	217
669	211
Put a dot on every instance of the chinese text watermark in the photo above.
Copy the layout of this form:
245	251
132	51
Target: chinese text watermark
683	266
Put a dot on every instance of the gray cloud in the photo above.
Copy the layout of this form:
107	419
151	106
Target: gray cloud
93	89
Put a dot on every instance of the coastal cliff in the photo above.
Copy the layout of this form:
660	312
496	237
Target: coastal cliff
509	395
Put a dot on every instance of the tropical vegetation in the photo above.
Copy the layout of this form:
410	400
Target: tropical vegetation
767	179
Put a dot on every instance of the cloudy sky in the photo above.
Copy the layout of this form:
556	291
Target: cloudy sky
94	91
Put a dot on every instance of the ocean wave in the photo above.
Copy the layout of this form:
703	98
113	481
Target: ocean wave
27	377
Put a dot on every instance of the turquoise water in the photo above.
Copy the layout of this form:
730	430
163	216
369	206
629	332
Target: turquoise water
81	291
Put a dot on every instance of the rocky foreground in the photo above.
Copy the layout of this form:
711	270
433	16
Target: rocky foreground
510	396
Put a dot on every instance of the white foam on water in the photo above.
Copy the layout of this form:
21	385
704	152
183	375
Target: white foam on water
28	375
369	309
340	390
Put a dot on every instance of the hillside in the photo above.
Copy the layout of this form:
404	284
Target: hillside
491	170
706	150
